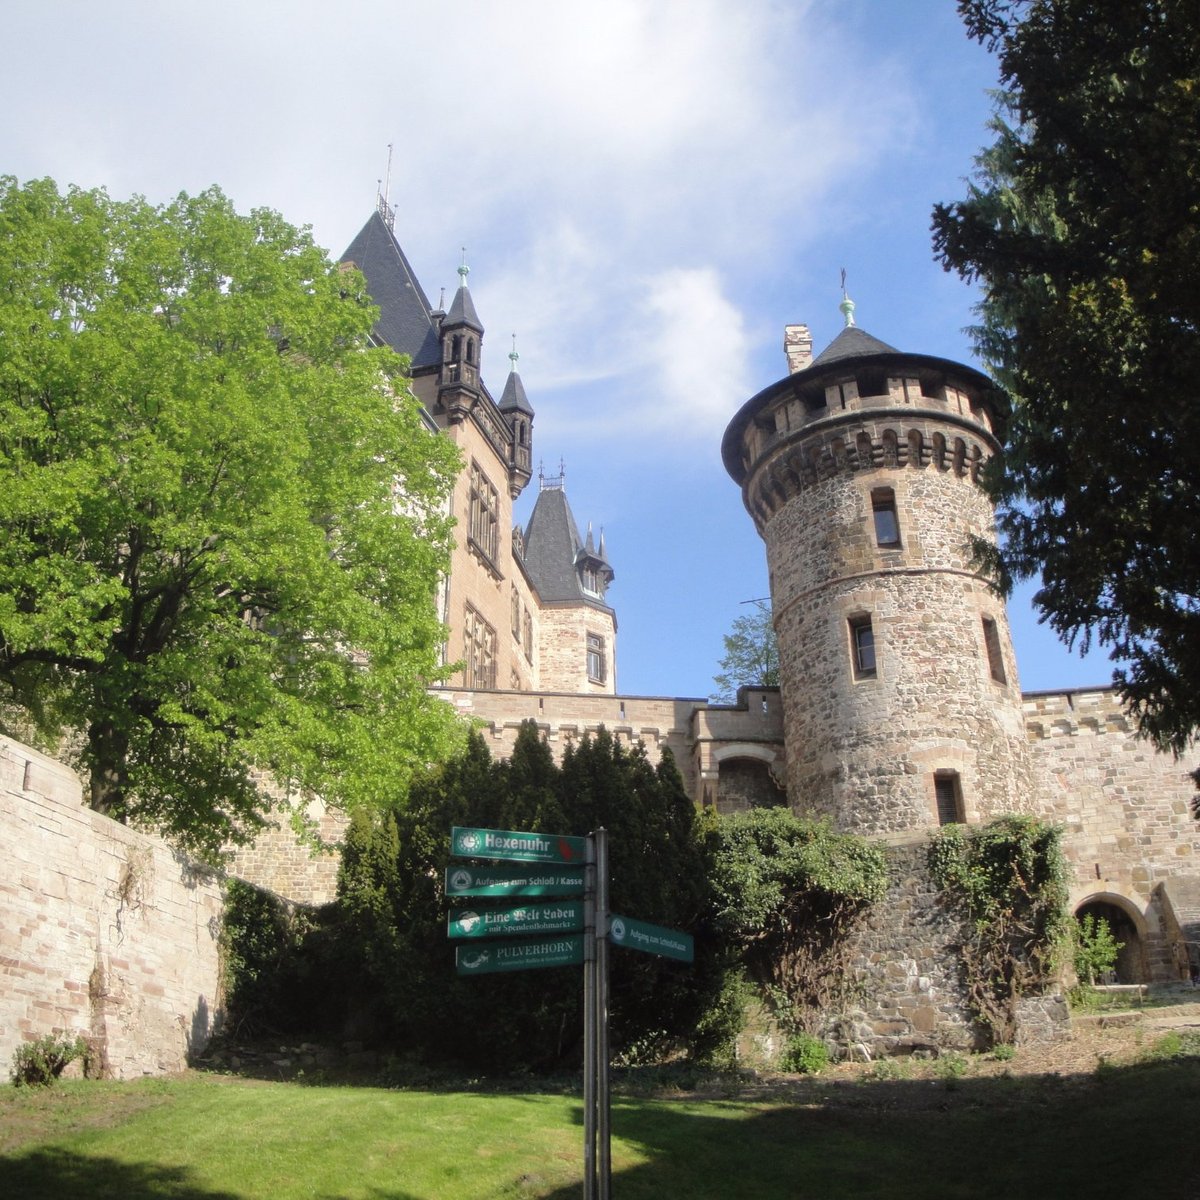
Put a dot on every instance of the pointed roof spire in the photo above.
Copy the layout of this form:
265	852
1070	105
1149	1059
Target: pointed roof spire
513	398
847	305
462	309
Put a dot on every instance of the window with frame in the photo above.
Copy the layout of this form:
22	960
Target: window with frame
595	658
479	651
948	795
862	646
887	525
991	640
527	636
484	516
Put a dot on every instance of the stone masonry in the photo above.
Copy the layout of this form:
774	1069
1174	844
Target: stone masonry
104	931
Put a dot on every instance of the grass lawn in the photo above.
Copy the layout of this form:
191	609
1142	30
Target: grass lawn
1121	1133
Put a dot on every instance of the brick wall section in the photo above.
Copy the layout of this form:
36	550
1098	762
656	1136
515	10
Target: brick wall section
103	931
1124	806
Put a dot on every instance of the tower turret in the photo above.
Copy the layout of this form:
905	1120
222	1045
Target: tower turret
518	412
860	470
461	334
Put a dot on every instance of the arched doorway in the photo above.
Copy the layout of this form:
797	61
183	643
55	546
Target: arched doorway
745	783
1131	958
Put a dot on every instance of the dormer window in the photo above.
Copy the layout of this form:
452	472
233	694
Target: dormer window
591	579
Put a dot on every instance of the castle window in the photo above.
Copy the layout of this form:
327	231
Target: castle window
591	582
948	795
479	651
887	527
470	350
862	644
595	658
527	636
455	348
516	614
485	514
991	639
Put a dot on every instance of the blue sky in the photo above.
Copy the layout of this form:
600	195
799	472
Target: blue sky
648	191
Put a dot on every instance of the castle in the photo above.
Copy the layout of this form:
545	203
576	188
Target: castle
899	708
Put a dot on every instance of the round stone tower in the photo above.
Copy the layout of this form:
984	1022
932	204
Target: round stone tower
901	704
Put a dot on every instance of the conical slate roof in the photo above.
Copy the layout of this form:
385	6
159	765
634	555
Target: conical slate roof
514	398
552	544
462	311
852	342
404	321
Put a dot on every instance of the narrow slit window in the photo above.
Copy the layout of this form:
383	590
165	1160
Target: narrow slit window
862	646
949	798
991	639
887	526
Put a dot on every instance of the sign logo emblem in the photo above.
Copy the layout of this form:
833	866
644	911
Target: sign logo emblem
461	879
470	841
469	920
617	929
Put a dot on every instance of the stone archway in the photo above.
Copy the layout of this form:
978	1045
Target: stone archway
746	779
1128	926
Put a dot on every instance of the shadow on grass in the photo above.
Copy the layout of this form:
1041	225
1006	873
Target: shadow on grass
1123	1132
55	1174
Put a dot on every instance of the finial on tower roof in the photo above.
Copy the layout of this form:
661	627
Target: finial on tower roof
847	305
512	354
464	270
382	194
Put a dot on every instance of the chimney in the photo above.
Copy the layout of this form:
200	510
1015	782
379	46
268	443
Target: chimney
797	345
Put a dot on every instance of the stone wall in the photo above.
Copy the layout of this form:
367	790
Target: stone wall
104	931
907	973
1124	807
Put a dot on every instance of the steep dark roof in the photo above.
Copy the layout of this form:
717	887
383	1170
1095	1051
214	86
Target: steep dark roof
852	342
551	545
462	311
514	398
404	322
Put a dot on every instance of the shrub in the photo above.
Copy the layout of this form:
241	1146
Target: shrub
1095	948
804	1054
950	1067
40	1062
1004	1052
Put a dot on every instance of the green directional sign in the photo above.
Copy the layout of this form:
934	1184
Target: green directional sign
520	955
562	916
651	939
480	879
516	846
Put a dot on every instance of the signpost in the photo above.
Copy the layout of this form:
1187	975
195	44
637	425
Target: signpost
572	866
651	939
475	879
563	916
524	955
515	846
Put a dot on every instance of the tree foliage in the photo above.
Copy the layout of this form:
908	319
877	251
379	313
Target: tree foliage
221	518
398	965
751	655
786	893
1083	227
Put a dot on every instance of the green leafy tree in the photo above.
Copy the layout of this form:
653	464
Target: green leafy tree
1096	949
751	655
221	518
1083	227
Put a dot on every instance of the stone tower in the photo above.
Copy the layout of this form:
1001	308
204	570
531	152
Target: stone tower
860	469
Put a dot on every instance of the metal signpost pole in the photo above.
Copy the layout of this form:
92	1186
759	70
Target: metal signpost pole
589	1022
602	1090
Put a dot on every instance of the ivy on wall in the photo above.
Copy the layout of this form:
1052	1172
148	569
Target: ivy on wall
1010	880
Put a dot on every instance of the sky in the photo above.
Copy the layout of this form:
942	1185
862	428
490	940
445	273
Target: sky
648	191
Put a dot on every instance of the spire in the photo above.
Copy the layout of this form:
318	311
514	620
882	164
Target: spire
513	398
847	305
462	308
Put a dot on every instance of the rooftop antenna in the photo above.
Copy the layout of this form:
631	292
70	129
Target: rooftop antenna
385	209
847	305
